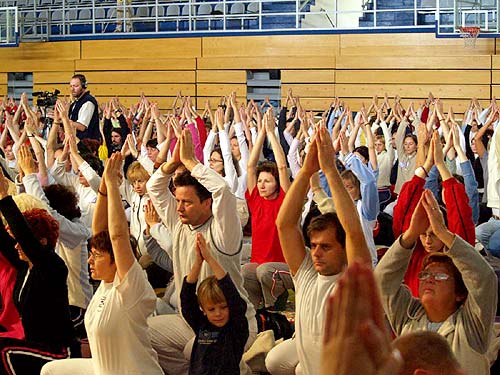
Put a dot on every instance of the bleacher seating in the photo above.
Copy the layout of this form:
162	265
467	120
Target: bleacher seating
171	22
87	17
203	11
403	18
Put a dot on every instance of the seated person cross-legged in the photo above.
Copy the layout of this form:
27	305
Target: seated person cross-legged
40	293
267	276
116	316
357	341
457	291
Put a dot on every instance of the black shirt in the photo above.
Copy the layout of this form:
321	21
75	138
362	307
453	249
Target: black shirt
40	294
216	350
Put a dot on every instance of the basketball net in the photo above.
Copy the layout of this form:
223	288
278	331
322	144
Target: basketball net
470	35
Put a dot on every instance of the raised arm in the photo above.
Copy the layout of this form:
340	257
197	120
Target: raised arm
63	109
279	155
288	220
254	159
52	144
356	247
204	250
100	218
479	136
218	118
40	157
439	157
117	221
353	136
370	143
3	137
19	227
194	273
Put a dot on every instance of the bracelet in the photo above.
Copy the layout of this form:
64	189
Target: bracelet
426	174
100	192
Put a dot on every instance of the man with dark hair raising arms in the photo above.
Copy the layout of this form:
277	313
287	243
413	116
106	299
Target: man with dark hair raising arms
203	203
336	240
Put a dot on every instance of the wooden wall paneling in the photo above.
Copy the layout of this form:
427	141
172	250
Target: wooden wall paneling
411	91
133	77
4	78
122	89
271	45
12	65
321	90
495	61
459	105
221	76
164	102
314	104
52	77
479	77
48	51
135	64
218	90
410	44
154	48
308	76
495	91
497	47
269	62
495	77
415	62
214	101
3	90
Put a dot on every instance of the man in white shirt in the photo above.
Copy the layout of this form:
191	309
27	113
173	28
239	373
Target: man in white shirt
336	240
203	203
84	110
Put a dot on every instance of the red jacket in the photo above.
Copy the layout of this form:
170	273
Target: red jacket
459	214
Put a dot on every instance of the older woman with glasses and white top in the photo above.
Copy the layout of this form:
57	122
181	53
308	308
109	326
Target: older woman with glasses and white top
116	316
457	290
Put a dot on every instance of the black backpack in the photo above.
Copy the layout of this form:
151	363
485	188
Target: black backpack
275	321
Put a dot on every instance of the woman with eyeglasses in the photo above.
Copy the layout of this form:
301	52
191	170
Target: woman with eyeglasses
116	316
219	158
457	291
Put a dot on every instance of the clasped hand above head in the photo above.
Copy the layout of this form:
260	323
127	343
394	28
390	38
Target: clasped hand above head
427	213
356	340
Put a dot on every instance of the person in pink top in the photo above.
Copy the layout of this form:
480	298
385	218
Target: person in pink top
267	275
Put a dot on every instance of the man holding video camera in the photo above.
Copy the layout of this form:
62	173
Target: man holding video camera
84	111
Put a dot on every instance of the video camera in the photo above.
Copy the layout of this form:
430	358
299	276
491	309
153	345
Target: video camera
46	100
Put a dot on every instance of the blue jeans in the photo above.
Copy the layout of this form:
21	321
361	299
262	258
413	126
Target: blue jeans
489	235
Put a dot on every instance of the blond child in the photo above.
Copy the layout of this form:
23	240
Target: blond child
220	326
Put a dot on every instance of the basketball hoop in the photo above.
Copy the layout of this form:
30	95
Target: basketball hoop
469	34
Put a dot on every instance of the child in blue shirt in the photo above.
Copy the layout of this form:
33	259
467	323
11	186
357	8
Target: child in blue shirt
216	315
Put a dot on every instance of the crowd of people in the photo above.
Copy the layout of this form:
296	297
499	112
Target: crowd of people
370	215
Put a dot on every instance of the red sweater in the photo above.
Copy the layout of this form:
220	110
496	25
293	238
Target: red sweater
265	241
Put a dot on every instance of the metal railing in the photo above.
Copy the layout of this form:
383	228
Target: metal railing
9	31
94	18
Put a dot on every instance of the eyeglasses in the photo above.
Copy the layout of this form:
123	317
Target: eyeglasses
429	235
437	276
214	161
95	255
